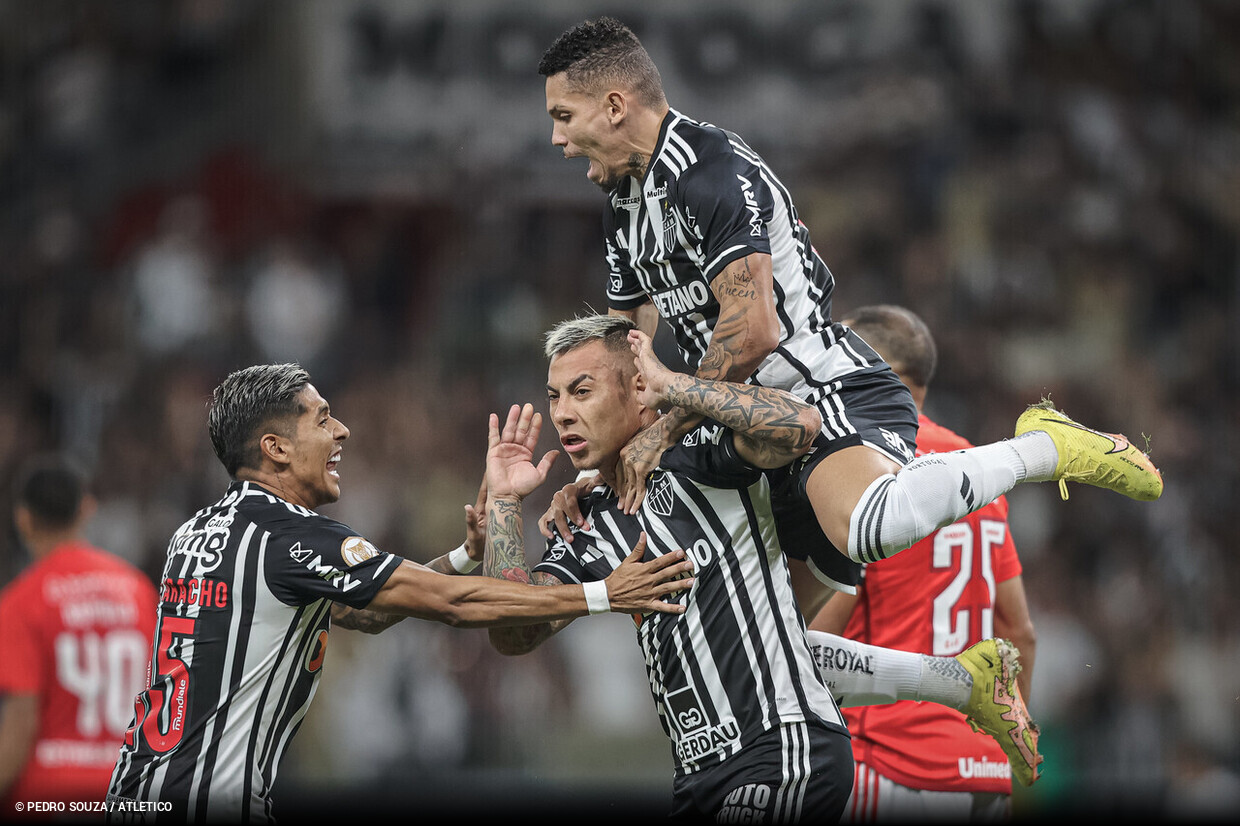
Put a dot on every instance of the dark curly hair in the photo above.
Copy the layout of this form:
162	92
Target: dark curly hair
604	52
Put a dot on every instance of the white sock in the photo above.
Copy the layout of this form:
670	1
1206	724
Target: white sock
859	674
937	489
865	675
1037	450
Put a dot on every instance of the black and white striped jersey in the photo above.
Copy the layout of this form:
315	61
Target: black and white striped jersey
708	199
243	624
737	662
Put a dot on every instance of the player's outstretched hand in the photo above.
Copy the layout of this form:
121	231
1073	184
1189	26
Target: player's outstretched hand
511	472
637	587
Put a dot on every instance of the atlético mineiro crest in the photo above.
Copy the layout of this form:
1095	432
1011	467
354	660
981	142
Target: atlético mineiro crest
669	227
659	496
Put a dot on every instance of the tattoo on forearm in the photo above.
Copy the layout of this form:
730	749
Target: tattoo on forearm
505	556
361	619
771	419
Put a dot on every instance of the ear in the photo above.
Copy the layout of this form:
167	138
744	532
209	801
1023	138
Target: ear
23	520
88	508
617	106
275	448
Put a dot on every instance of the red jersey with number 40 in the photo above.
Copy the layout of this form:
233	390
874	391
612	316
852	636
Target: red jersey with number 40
75	629
935	598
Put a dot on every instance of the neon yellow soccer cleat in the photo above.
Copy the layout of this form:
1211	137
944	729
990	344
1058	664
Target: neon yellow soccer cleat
996	707
1104	460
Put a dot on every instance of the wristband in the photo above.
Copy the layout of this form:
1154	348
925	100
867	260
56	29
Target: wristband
596	597
459	559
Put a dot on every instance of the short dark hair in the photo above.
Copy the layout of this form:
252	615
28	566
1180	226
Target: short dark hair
604	51
51	486
248	402
900	337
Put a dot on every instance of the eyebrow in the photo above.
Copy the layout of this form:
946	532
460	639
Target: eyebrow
573	383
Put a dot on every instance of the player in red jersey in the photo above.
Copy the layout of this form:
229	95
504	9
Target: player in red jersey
958	586
75	628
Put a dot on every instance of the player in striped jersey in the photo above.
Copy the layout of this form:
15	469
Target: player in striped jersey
944	596
252	586
756	736
700	232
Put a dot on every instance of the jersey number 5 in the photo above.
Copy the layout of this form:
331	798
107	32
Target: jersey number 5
161	710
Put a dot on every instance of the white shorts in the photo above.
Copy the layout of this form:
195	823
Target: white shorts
878	799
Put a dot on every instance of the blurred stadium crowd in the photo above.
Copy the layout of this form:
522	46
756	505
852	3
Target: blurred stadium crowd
1053	186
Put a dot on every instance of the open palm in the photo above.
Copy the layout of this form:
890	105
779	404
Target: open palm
511	471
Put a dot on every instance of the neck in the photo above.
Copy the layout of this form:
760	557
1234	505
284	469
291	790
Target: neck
42	543
273	484
649	123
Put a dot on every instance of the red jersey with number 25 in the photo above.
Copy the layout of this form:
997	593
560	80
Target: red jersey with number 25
935	598
75	629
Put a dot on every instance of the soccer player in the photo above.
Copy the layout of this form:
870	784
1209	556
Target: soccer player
252	585
75	627
755	734
700	232
951	591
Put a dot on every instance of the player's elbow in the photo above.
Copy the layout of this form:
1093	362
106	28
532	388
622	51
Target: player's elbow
810	420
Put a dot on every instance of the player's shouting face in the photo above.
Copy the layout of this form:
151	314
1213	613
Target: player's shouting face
588	124
309	452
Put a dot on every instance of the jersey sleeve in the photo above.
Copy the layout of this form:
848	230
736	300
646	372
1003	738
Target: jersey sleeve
560	562
729	206
623	290
22	671
708	454
323	559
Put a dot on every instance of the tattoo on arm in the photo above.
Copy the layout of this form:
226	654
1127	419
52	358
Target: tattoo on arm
505	554
772	422
505	559
363	619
